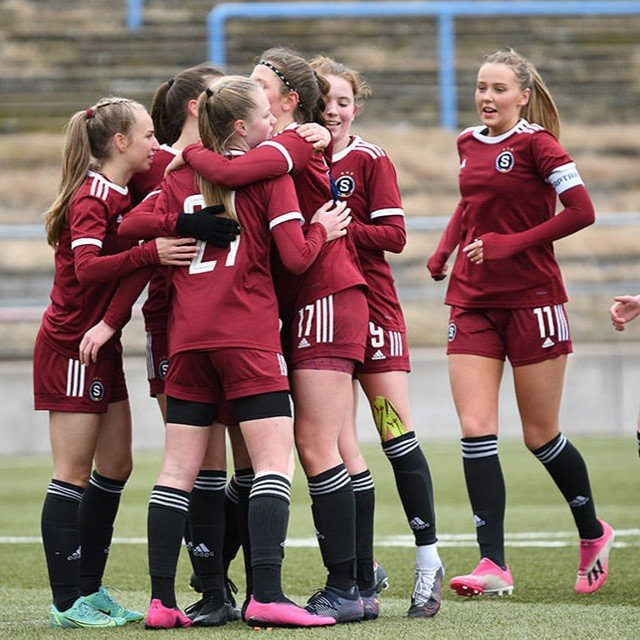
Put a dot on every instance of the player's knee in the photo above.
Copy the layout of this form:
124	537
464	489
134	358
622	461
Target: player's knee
388	421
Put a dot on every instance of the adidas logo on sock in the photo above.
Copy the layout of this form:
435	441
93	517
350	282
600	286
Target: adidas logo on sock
303	343
76	555
201	551
548	343
378	355
417	524
579	501
478	521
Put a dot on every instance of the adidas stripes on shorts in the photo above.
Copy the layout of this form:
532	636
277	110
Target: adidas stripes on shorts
333	326
61	383
386	350
525	336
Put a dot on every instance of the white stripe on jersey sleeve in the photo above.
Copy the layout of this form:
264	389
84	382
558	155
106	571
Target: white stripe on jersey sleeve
282	150
151	194
565	177
285	217
82	241
386	212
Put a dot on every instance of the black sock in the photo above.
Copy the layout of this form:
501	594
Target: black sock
168	508
244	478
638	440
268	521
334	514
413	481
364	495
98	510
61	538
487	494
568	470
206	523
232	541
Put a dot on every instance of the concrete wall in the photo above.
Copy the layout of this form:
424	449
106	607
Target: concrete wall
601	397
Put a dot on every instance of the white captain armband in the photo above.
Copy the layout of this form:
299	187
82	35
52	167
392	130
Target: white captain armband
565	177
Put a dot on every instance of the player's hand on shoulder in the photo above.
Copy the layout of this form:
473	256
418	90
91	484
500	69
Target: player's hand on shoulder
316	134
176	163
335	218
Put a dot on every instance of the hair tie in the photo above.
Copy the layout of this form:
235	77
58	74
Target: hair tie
170	82
282	77
89	113
208	92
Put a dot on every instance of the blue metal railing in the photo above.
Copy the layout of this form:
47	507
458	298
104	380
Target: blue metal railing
134	14
445	12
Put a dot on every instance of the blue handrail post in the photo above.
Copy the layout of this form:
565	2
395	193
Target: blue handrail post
447	71
134	14
216	21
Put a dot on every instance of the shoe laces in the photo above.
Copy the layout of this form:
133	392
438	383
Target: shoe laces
88	611
115	607
424	584
195	606
319	602
229	591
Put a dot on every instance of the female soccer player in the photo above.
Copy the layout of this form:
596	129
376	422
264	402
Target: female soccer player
224	337
175	118
366	179
176	125
324	313
507	299
85	391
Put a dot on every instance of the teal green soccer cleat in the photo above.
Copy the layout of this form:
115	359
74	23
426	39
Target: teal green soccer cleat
103	601
81	614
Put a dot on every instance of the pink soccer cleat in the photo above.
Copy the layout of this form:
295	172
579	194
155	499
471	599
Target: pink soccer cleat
593	569
282	614
161	617
487	578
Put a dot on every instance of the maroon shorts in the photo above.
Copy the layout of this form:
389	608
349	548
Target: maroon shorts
525	336
334	327
387	350
157	361
225	374
61	383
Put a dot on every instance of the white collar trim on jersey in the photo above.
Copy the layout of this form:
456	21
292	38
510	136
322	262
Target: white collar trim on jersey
341	154
123	190
496	139
168	149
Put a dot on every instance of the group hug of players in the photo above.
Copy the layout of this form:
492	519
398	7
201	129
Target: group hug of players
260	223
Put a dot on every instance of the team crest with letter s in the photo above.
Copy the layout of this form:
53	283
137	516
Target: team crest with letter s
96	390
451	331
163	367
505	161
346	185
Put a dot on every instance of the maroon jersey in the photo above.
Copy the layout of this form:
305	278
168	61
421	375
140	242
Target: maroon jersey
336	268
226	297
366	179
89	261
155	309
509	184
